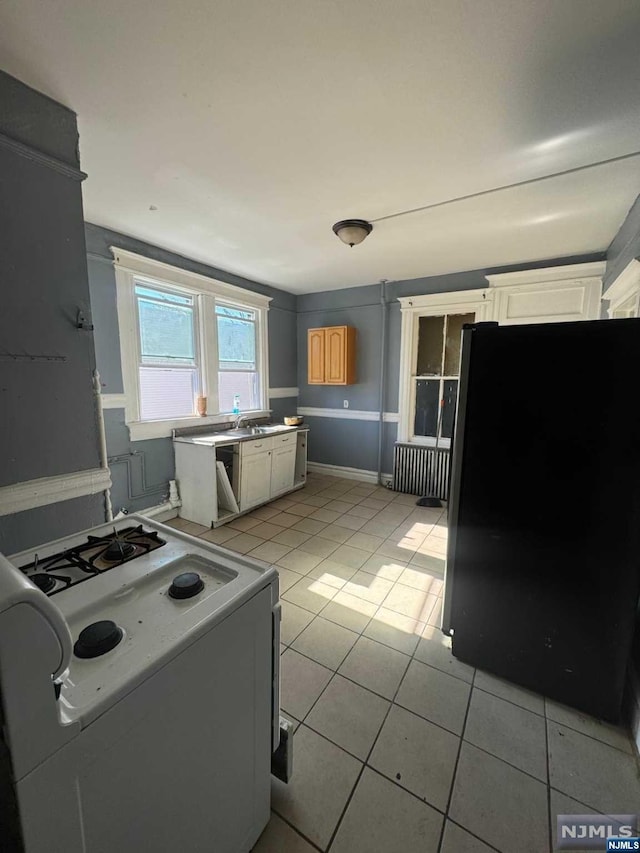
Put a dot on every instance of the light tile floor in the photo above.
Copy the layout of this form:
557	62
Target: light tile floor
399	746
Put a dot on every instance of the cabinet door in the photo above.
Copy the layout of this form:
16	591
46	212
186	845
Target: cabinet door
316	356
335	355
283	466
255	480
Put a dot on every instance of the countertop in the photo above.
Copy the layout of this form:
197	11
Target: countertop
215	439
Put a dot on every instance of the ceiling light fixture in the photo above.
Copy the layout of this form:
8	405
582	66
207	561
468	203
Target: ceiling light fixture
352	231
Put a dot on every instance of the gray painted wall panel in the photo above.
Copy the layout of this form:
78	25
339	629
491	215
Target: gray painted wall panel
46	523
625	245
44	283
281	406
353	444
104	311
35	120
141	470
365	393
282	348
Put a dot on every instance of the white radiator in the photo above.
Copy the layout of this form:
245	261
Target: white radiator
421	470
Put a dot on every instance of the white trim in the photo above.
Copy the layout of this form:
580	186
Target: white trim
624	288
113	401
161	512
130	267
50	490
144	430
347	414
281	393
172	276
568	272
560	301
348	473
457	301
479	302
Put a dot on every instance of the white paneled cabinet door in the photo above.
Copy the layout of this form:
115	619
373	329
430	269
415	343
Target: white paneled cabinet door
283	466
255	480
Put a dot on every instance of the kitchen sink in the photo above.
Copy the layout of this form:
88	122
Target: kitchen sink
245	432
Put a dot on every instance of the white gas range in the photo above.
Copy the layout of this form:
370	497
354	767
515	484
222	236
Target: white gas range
139	677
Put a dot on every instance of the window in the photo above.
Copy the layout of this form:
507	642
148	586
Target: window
184	335
430	361
169	372
237	370
436	374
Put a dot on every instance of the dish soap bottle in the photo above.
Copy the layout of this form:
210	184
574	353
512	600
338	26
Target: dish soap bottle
236	404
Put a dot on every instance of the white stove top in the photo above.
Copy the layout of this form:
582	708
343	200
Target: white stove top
135	595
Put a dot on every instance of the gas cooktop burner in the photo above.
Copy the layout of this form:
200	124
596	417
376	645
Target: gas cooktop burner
90	558
118	550
186	585
97	639
44	582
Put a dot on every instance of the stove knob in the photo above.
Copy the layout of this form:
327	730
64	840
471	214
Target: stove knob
186	585
97	639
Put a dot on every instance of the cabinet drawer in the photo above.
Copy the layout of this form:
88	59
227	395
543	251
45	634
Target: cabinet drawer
284	440
258	445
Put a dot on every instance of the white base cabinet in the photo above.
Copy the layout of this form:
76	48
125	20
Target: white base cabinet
259	470
267	469
255	479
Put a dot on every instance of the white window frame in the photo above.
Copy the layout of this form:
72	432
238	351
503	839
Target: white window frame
431	305
130	269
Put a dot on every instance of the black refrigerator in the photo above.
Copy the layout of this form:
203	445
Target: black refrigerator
543	564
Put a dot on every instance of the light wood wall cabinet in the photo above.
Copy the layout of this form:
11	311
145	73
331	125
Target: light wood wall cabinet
332	355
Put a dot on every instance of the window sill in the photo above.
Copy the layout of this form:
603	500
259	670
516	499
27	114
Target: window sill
145	430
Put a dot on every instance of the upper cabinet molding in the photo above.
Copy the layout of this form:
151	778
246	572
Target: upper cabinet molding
549	295
625	290
568	272
141	267
460	301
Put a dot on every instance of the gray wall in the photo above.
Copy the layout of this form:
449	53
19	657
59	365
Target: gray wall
141	470
48	425
354	443
625	245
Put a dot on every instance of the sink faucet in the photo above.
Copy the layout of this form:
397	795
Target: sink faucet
239	420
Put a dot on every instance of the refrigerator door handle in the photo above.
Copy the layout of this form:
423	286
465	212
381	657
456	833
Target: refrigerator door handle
457	450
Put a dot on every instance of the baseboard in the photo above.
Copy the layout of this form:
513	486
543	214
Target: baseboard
348	473
161	512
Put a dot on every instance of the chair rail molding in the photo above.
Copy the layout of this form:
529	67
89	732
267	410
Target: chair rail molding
348	414
49	490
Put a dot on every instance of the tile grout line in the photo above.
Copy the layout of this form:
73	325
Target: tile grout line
455	767
365	763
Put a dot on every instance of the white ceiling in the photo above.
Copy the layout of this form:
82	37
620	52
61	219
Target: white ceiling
253	125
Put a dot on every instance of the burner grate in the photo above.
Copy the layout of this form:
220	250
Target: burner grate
97	555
